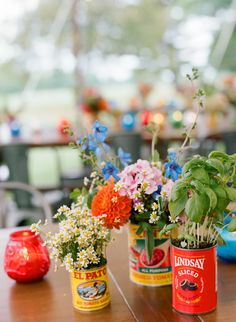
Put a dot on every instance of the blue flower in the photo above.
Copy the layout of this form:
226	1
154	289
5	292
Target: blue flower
110	171
92	145
125	157
101	148
99	131
87	143
157	193
173	170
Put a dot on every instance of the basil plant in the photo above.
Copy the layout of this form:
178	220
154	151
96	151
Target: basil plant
200	199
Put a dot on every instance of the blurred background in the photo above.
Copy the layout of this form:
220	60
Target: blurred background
70	62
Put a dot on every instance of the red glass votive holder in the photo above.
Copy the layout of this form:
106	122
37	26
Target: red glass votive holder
26	259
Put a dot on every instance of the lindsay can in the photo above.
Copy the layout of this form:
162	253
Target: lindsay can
90	289
154	272
194	289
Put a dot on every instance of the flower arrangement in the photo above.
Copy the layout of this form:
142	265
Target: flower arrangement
84	232
118	192
148	185
81	240
200	198
189	203
93	102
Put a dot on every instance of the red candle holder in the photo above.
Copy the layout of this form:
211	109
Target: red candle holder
26	259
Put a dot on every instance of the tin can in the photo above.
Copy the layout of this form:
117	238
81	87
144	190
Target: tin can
157	271
90	289
194	288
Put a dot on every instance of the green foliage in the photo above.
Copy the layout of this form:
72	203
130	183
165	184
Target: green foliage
149	238
167	228
90	198
195	207
232	225
177	206
202	195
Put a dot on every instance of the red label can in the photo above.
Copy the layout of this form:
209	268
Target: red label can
194	289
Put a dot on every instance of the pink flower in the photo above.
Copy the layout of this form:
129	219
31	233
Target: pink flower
166	189
140	176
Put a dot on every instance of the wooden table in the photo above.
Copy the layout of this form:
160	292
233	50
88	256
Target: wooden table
154	304
50	299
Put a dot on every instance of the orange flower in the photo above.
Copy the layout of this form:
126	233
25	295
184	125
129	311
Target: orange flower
116	208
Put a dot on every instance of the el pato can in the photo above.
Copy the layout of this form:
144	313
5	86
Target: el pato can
90	289
157	271
194	289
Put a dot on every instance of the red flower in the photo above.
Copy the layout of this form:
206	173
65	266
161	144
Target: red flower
115	208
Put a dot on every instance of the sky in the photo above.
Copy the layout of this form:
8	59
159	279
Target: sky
11	9
10	12
197	30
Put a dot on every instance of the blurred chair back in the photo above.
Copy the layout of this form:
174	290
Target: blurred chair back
229	139
15	156
10	185
129	142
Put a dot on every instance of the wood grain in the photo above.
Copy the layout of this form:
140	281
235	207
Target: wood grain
49	300
154	304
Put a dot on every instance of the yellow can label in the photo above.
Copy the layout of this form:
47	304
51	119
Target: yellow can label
90	289
155	272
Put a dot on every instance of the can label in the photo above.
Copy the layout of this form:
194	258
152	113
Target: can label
90	289
157	271
194	288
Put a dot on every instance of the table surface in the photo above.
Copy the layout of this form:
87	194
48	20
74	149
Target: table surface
49	300
154	304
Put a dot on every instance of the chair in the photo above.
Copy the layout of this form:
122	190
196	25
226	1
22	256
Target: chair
74	179
129	142
229	139
15	157
12	185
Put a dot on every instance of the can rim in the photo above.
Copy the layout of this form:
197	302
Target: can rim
193	249
90	269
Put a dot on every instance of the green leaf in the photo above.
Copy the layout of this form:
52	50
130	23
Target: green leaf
90	198
75	194
149	240
177	206
196	207
189	237
216	164
222	204
220	192
192	164
212	197
198	185
231	192
218	154
139	230
168	228
201	175
160	224
232	225
178	190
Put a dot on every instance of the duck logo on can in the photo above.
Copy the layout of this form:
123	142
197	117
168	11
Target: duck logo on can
90	289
